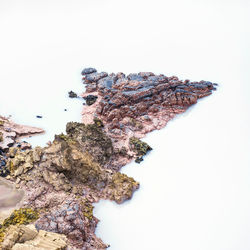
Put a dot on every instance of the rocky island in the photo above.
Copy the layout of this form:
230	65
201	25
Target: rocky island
61	181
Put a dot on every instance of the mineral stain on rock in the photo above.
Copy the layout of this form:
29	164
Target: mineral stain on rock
62	180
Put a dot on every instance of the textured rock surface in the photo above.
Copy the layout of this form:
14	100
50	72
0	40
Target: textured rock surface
132	106
21	216
62	180
28	238
10	134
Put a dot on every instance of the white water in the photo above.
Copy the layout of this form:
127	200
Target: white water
195	184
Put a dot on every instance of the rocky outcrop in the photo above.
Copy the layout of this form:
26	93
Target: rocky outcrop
62	180
133	105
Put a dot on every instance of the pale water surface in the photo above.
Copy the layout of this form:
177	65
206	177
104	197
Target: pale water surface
195	184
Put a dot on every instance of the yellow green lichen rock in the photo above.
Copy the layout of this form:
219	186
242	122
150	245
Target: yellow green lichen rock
22	216
139	147
87	209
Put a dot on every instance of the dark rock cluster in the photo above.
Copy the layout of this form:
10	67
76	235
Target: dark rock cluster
72	94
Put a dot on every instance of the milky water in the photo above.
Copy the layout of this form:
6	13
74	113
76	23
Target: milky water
195	184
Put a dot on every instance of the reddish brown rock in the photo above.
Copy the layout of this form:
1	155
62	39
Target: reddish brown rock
133	105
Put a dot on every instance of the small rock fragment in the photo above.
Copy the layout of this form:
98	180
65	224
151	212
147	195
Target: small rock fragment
72	94
88	71
90	99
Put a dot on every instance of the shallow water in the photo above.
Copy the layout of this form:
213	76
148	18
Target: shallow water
195	183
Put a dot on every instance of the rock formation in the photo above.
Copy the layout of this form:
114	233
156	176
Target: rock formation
62	180
132	106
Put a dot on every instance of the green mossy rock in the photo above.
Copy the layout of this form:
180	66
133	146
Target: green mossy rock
139	147
92	139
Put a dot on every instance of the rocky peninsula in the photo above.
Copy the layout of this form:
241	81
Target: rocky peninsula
61	181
